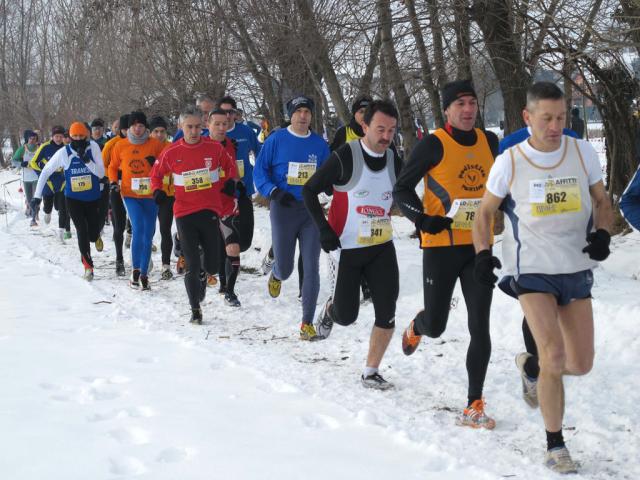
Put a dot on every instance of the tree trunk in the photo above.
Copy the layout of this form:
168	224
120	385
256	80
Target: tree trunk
439	64
395	75
425	64
463	38
374	55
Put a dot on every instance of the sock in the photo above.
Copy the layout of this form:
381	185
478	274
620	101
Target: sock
531	367
554	439
368	371
233	268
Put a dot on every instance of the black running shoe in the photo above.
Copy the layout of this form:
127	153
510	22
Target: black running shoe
134	282
196	316
231	299
376	382
144	282
120	268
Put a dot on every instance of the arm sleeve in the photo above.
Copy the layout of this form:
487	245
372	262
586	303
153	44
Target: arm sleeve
339	139
96	153
52	165
34	162
327	175
494	143
427	153
159	170
591	162
17	156
263	166
256	146
114	163
500	176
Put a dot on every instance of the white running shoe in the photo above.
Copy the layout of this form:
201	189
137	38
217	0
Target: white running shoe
60	235
267	264
559	460
47	218
529	385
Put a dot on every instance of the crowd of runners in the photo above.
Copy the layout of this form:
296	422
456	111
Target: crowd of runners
547	183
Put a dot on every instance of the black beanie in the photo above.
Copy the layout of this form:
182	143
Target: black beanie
28	134
454	90
299	102
362	101
138	117
57	130
123	123
158	122
97	122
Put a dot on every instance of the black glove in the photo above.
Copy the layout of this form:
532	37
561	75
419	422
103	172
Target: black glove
229	188
328	239
283	198
24	164
433	223
104	181
598	248
115	188
240	187
35	203
151	159
483	268
159	196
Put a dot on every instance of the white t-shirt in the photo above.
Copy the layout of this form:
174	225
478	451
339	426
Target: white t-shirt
500	174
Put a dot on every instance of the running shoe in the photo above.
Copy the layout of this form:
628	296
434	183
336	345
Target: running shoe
559	460
181	265
134	282
166	273
196	316
127	241
375	382
47	218
274	287
267	263
144	282
88	274
529	385
223	288
324	323
99	244
33	223
120	268
473	416
212	281
67	235
60	235
231	299
307	332
410	340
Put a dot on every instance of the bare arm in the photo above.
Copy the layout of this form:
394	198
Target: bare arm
602	211
482	223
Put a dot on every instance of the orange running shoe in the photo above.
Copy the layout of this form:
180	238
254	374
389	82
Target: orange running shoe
212	280
474	417
410	340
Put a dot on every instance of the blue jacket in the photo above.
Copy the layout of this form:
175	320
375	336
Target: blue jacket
279	150
246	141
56	181
630	201
521	135
179	134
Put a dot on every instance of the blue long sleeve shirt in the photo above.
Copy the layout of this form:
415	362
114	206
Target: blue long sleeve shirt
521	135
246	141
283	154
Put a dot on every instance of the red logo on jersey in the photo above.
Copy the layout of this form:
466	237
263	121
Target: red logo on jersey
370	210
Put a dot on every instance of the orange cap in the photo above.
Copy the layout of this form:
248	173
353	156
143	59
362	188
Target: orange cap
78	128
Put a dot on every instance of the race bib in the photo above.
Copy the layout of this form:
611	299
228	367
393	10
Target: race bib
141	185
463	212
373	231
81	183
195	180
299	173
554	196
240	164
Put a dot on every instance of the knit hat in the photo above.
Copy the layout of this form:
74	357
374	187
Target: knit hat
158	122
97	122
123	123
299	102
138	117
28	134
454	90
78	128
362	101
57	130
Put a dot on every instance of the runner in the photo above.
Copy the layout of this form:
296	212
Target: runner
195	165
53	192
29	176
118	212
630	201
454	162
97	132
158	127
135	155
287	160
229	258
551	189
84	174
359	231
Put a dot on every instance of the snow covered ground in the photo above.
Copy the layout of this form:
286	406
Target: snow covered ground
100	381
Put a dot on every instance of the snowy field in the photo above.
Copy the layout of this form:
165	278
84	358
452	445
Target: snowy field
103	382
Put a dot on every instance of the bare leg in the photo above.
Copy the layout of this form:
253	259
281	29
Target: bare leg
378	343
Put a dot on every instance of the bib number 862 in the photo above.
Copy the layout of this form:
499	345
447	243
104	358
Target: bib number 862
557	197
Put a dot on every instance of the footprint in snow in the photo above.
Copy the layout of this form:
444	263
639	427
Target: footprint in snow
133	412
127	466
148	360
318	421
175	455
131	436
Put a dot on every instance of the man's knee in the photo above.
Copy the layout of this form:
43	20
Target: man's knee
386	322
431	324
343	318
553	361
580	366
